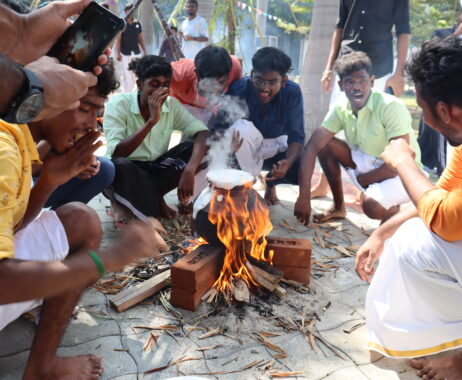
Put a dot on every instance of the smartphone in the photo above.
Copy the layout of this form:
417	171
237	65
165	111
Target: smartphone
87	38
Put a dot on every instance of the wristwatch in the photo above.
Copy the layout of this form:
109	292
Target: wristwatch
28	102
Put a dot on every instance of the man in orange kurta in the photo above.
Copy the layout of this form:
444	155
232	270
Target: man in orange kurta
414	303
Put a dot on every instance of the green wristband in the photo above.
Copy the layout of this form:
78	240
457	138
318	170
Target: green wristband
99	264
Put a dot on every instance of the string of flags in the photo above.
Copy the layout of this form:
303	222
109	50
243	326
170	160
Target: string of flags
259	12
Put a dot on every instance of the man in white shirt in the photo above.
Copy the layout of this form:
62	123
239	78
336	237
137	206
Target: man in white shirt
194	32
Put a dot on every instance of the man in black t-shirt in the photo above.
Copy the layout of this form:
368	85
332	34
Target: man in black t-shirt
127	47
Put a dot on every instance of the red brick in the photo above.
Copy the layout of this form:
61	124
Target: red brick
298	274
186	300
197	271
290	252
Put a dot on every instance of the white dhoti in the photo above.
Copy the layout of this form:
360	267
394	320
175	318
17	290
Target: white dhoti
414	303
255	149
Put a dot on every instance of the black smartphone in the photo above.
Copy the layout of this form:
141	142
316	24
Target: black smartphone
87	38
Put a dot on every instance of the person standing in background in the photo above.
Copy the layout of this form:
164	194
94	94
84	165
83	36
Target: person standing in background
165	48
366	25
128	46
432	143
194	32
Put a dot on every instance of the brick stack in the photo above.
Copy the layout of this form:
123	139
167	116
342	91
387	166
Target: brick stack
292	256
194	274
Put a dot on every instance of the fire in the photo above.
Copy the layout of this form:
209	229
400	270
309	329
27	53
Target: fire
242	220
191	244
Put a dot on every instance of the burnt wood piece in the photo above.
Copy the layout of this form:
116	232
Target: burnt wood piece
134	295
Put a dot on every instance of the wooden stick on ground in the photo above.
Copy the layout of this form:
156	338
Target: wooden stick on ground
140	292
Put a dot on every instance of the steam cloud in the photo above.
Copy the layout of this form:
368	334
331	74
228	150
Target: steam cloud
230	109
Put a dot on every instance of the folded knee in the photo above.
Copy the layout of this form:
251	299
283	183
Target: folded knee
80	222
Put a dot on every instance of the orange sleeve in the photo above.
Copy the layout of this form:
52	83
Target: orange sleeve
236	70
441	207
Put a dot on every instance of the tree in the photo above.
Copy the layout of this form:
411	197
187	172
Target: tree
427	16
316	102
146	13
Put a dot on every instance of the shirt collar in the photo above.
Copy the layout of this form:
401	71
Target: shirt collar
135	107
369	104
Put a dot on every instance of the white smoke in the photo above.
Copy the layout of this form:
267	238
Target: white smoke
228	110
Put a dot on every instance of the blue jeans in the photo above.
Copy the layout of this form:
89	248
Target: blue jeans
83	190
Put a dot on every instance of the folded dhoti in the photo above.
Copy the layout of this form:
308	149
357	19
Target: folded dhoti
414	303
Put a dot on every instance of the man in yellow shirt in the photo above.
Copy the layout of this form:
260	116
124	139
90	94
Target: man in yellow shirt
34	269
414	303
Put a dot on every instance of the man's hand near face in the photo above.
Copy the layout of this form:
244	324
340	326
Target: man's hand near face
155	101
91	170
59	168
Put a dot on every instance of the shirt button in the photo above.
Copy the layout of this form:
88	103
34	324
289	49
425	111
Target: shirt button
363	12
361	27
359	42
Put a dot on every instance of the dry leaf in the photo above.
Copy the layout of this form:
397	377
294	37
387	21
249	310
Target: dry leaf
353	328
151	341
285	374
209	347
211	333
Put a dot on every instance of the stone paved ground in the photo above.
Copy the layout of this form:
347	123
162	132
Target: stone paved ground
336	295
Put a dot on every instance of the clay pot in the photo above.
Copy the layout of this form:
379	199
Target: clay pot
240	195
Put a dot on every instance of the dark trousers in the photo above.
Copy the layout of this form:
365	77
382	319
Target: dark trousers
83	190
432	147
144	183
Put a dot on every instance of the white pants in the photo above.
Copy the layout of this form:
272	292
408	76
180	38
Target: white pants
255	149
388	193
44	239
128	77
414	303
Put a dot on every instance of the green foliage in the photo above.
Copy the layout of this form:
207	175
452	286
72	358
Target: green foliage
295	13
427	16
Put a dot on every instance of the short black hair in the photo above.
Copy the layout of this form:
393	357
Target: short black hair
107	80
348	63
212	62
437	70
128	7
150	66
15	5
194	2
271	59
173	27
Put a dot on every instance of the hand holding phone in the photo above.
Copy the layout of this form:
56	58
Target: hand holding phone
87	38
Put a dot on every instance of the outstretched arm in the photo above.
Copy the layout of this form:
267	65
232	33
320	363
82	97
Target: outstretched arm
318	141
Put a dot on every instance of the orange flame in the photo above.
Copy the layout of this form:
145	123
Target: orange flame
192	244
242	220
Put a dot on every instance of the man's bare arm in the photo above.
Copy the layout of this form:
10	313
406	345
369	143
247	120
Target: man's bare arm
396	81
327	79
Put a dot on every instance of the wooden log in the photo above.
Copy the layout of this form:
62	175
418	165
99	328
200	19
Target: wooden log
265	279
134	295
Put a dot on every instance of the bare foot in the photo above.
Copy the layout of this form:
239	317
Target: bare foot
86	367
121	214
271	197
320	190
446	368
333	213
166	212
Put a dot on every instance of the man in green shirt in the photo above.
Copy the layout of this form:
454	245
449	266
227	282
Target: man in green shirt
138	127
370	120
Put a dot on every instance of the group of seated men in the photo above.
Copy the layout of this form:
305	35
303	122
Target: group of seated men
413	302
